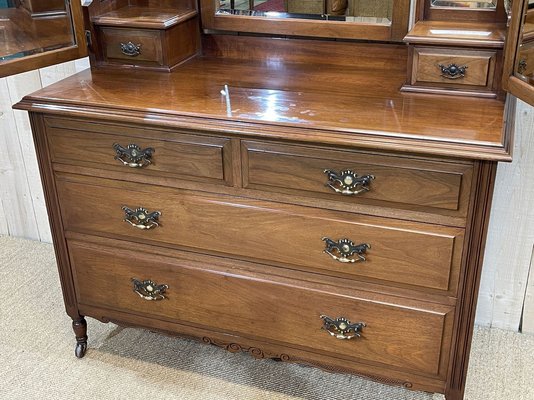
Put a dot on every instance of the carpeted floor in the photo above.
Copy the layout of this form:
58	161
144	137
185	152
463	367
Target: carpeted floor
37	355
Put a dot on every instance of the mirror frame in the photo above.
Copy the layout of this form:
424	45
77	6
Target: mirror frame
426	12
309	28
52	57
511	83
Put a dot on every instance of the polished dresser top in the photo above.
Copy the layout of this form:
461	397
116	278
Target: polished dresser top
294	98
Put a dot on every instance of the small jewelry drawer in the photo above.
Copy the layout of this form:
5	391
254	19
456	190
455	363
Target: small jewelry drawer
133	46
390	252
160	48
453	69
351	325
138	153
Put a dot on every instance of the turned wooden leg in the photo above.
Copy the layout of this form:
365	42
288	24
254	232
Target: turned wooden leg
80	330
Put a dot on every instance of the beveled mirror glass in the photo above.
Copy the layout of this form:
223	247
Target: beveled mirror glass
383	20
363	11
471	4
34	26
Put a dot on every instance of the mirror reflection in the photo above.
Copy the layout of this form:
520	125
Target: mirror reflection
473	4
366	11
524	67
34	26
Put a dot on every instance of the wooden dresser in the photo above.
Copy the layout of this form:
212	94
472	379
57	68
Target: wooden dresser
281	196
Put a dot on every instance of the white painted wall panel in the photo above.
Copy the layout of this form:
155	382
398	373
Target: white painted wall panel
528	306
511	232
14	188
20	86
22	206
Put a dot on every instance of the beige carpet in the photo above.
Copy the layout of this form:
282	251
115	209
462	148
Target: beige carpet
37	355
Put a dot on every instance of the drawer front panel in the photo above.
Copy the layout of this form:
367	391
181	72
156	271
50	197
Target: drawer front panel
402	252
148	43
174	155
398	182
408	335
442	66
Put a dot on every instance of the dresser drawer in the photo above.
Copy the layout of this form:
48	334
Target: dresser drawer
399	333
453	67
137	151
400	182
308	239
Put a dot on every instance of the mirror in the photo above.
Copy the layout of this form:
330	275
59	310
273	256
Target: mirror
41	32
469	4
364	11
524	66
382	20
518	69
33	26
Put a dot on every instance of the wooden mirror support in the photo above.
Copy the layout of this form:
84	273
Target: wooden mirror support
38	34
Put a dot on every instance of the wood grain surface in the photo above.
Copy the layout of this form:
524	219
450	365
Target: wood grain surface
289	100
410	253
176	155
479	71
399	334
399	181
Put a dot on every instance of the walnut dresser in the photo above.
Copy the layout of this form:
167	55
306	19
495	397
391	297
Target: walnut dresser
305	199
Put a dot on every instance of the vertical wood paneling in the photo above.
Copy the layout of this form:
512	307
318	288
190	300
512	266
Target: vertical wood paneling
15	190
19	87
527	323
511	233
3	220
22	207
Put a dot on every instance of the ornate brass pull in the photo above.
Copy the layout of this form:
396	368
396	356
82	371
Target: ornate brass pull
345	248
522	66
130	49
348	182
452	71
342	328
133	156
149	290
141	218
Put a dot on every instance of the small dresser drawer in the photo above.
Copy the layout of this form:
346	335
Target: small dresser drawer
148	43
455	68
398	333
136	151
325	242
132	46
358	177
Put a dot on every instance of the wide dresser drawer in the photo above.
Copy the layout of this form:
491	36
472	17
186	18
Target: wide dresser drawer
140	152
398	333
351	176
322	241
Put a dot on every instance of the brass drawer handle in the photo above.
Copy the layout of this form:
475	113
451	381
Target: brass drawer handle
452	71
141	218
522	66
130	49
342	328
149	290
348	182
133	156
345	248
